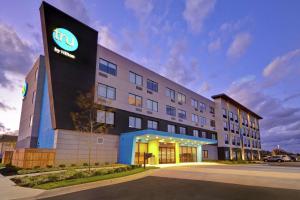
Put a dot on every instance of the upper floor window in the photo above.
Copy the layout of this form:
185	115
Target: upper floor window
225	126
170	110
212	123
135	100
203	121
108	67
226	139
194	103
181	114
135	122
202	107
231	115
135	78
181	98
152	124
195	118
105	117
213	136
30	120
182	130
151	85
152	105
212	110
204	134
106	91
195	133
170	93
224	111
236	118
171	128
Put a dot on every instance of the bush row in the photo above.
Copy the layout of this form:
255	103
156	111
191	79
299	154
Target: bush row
32	181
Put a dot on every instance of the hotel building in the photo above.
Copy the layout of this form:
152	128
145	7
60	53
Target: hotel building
142	111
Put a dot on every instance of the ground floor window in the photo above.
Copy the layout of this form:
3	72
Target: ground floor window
166	153
205	153
226	155
188	154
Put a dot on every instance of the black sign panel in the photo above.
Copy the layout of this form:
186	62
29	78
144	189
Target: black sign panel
70	55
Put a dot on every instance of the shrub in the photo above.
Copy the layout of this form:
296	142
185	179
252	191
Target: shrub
80	174
98	173
96	164
73	165
106	163
85	164
36	167
9	170
62	166
49	166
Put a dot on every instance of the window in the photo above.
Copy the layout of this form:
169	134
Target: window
171	128
152	124
152	105
170	93
195	133
181	114
36	73
151	85
135	100
202	121
245	142
224	113
236	118
238	140
106	91
225	126
194	103
233	140
231	116
212	110
213	136
195	118
135	122
30	120
33	97
231	127
202	107
181	98
204	134
108	67
226	155
226	139
100	140
135	78
212	123
182	130
171	110
105	117
205	153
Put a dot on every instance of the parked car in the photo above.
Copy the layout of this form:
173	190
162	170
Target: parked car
294	158
279	158
266	158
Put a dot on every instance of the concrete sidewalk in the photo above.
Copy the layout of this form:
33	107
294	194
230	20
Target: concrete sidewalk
9	190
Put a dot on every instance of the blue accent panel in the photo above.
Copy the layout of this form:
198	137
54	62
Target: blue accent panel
199	153
46	132
127	149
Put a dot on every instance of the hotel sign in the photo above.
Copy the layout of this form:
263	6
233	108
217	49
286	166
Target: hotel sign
65	40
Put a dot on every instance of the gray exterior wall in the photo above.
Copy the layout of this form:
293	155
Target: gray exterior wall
32	106
72	147
212	152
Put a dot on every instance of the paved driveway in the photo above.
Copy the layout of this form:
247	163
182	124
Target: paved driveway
203	182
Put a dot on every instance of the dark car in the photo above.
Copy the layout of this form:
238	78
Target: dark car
266	158
275	159
294	158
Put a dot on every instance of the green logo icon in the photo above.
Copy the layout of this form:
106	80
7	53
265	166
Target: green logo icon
25	89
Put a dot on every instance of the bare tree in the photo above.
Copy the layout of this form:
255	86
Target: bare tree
85	119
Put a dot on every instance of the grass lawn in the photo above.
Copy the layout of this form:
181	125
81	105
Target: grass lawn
63	183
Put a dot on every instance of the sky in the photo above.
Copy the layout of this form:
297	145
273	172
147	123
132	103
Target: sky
247	49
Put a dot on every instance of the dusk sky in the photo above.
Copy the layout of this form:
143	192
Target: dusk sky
249	50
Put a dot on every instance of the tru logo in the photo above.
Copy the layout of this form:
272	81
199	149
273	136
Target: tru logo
65	39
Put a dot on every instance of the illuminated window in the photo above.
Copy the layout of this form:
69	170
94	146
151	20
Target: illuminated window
205	153
195	133
171	128
135	100
181	98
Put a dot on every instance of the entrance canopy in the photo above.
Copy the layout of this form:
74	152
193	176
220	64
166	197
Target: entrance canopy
129	140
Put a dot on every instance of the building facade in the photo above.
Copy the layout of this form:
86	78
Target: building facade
142	111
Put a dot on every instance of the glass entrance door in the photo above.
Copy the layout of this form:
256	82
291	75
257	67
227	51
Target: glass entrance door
166	153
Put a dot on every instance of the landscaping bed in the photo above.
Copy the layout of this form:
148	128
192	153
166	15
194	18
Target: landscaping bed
73	177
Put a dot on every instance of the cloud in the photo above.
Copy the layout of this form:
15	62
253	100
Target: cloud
280	124
178	68
105	38
16	55
239	45
5	107
214	45
282	66
195	13
75	8
293	96
141	8
204	87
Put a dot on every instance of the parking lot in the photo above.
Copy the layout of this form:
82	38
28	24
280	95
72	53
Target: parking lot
204	182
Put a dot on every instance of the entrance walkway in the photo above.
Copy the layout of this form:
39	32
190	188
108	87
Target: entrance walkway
8	190
185	164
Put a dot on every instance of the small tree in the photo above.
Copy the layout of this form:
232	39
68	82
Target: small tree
85	119
278	151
